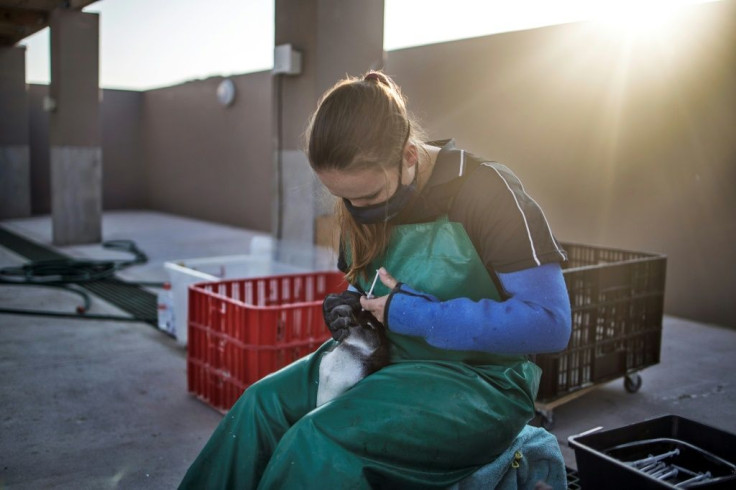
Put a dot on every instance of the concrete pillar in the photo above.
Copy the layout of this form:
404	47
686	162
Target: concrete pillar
15	171
336	38
74	128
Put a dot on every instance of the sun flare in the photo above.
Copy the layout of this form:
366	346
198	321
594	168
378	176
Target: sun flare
473	18
639	18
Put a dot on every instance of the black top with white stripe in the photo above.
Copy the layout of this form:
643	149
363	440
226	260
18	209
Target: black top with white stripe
506	226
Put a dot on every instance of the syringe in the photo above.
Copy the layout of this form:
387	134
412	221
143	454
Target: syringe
375	279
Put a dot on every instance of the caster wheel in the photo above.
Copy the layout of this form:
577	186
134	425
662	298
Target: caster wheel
632	383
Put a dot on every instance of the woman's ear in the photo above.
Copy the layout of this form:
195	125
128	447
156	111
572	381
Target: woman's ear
411	155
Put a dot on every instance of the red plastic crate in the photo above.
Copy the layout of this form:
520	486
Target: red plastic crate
243	329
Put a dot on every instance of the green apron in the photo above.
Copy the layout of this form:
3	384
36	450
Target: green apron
427	420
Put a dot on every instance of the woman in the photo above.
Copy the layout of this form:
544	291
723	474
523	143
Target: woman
481	287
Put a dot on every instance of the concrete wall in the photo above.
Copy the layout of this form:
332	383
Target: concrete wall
207	161
123	177
40	154
335	38
15	173
177	150
630	148
13	119
123	170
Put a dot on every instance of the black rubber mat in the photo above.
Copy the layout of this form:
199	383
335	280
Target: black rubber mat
130	298
27	248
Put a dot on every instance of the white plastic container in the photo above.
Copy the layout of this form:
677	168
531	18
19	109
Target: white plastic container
183	273
165	307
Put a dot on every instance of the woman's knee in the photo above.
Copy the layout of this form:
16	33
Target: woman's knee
282	396
310	450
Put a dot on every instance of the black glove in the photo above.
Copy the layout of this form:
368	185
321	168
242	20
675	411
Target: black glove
342	311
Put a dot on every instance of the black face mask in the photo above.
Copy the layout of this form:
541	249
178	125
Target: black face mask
387	210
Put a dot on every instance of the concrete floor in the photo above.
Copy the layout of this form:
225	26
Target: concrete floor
93	404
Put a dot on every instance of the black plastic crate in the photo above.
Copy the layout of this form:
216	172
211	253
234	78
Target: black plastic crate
617	299
573	480
690	454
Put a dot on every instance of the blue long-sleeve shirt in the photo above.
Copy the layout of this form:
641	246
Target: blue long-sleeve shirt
534	319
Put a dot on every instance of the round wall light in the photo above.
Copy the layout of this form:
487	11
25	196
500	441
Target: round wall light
226	92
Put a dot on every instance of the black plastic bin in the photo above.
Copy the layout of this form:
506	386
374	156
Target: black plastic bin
693	454
617	299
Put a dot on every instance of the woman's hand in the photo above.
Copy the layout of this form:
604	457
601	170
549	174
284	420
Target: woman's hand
377	306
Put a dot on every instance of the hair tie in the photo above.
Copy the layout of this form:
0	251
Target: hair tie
378	77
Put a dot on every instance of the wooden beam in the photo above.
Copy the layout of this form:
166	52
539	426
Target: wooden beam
46	5
22	17
32	4
10	30
16	25
80	4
